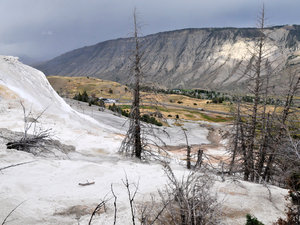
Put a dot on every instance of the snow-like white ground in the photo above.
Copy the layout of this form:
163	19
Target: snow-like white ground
49	186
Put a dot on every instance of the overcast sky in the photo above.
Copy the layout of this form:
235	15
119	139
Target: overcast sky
43	29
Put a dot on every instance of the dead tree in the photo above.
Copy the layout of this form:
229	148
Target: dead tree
281	124
132	143
236	136
190	200
257	68
254	124
199	159
188	150
149	214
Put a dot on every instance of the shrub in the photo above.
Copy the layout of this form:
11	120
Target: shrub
85	97
145	118
78	97
179	102
115	108
150	119
252	220
81	97
101	103
217	100
293	207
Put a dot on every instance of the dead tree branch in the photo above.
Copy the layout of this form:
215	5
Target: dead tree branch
131	196
14	165
11	212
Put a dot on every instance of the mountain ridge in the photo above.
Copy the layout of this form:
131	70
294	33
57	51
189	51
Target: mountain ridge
187	58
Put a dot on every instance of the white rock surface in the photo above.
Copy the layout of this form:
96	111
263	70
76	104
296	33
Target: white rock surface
49	186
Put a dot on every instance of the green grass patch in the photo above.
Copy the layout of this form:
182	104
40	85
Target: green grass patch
189	115
216	119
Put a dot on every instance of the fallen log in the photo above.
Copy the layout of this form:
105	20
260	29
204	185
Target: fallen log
87	183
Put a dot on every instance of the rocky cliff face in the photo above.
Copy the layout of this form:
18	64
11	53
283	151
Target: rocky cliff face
190	58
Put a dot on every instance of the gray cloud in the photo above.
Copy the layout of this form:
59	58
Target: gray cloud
46	28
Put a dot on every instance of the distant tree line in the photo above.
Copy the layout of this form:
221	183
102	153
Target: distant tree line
145	117
92	100
215	96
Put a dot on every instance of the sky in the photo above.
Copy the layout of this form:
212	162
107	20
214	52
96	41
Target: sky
43	29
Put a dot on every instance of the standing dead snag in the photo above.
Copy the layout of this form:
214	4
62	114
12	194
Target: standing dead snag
135	111
132	143
188	150
260	135
199	159
142	140
252	121
257	69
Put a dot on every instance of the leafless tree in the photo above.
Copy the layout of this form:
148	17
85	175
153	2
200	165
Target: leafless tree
188	150
259	132
144	213
141	138
132	143
190	201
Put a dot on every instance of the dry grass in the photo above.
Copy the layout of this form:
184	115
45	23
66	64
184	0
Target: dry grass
69	86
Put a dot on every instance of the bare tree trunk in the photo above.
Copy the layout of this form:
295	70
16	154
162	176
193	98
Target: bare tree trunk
257	57
199	158
265	131
188	151
236	138
256	102
133	142
136	95
263	151
188	157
